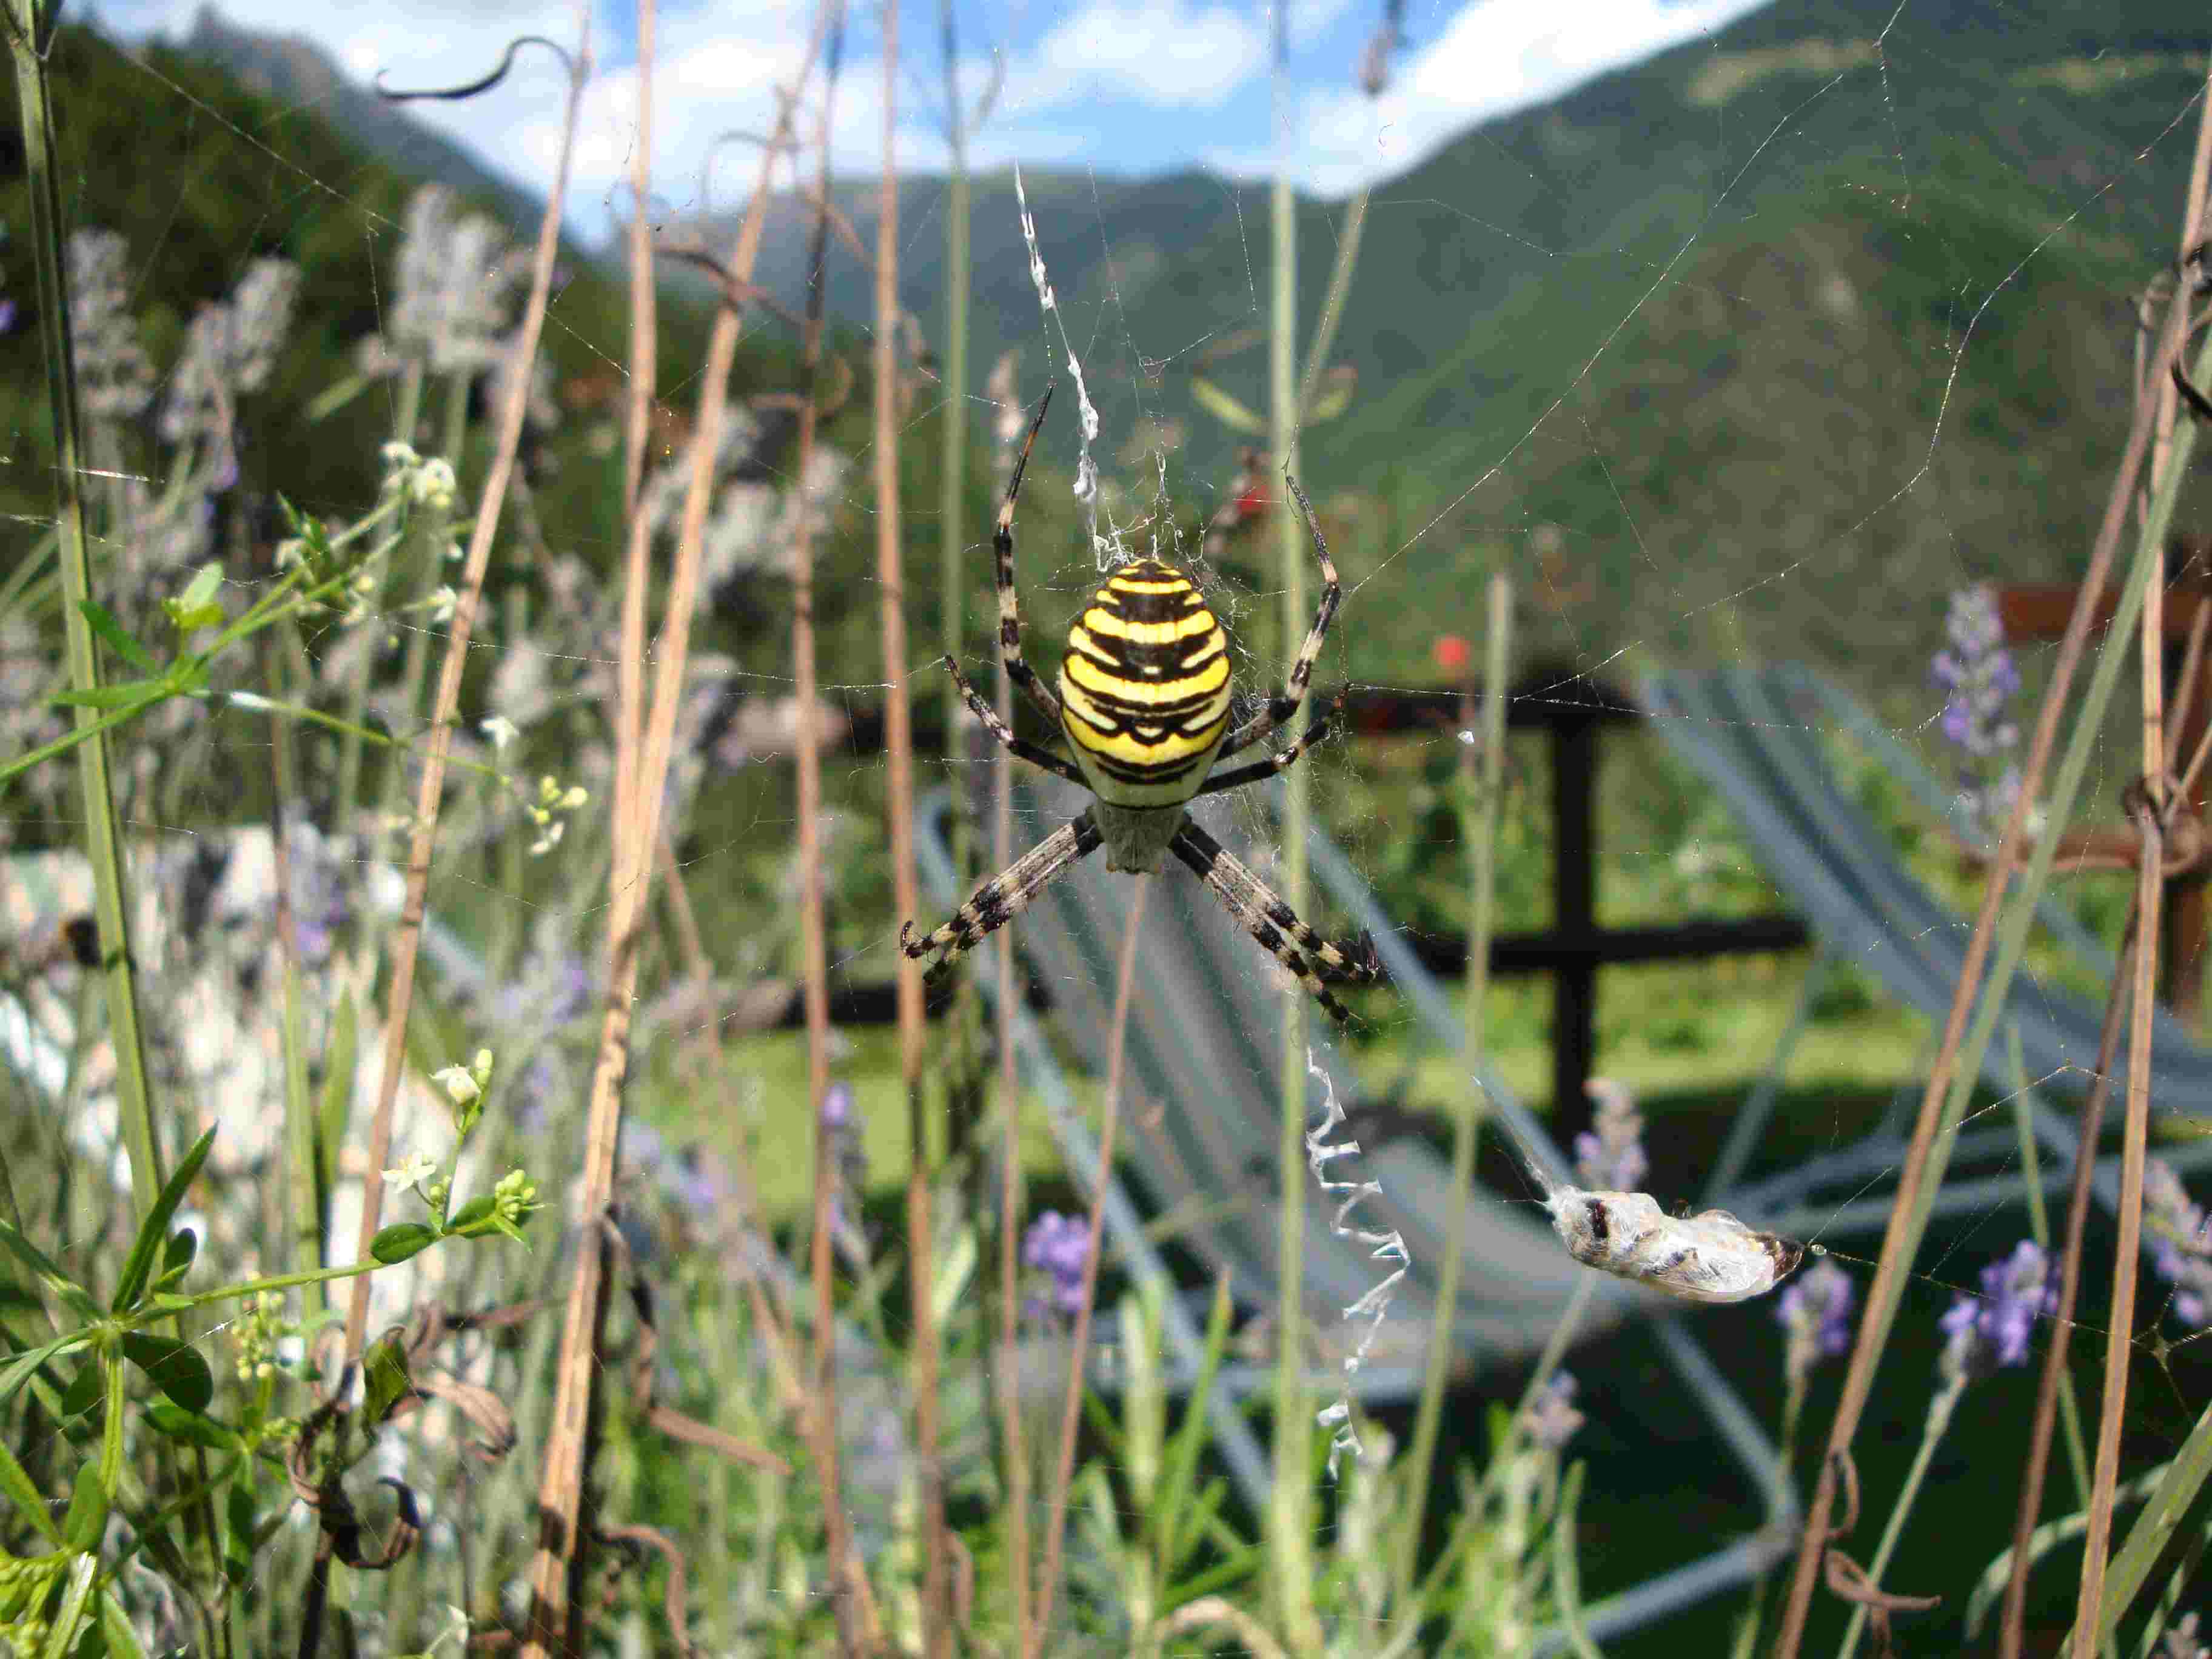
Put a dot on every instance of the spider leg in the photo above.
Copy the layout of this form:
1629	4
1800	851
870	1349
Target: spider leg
1311	958
1019	748
1003	897
1010	604
1284	703
1260	771
2199	405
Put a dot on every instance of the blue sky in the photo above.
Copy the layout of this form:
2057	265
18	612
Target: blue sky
1121	85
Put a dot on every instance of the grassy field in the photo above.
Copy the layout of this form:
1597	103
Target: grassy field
1706	1032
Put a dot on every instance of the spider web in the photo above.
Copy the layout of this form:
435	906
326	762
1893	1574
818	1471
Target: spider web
1751	352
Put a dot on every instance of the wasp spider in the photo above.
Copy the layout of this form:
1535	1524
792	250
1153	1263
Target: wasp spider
1144	704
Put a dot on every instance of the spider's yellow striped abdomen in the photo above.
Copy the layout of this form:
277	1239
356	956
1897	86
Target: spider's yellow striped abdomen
1144	686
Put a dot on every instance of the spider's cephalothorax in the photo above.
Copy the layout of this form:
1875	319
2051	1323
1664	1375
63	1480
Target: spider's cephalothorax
1144	693
1143	703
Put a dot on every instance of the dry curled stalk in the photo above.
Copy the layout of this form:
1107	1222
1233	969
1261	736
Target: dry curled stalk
555	1618
408	939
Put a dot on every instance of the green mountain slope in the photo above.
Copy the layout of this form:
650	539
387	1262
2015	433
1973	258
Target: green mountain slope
1739	350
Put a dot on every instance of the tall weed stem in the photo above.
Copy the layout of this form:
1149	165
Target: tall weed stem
898	744
1071	1410
1290	1509
849	1601
1931	1436
1483	773
29	25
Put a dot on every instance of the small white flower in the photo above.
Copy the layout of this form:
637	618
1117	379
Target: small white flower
441	604
552	839
575	796
502	731
454	553
459	1083
433	485
291	551
415	1168
397	454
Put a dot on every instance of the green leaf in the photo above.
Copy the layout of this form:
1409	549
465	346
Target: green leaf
1222	407
193	1428
952	1274
110	696
206	583
118	639
238	1515
471	1217
188	617
1330	400
1179	1468
81	1397
337	1101
43	1268
177	1257
385	1381
75	1610
75	1613
401	1240
153	1231
19	1369
176	1367
88	1511
115	1625
15	1482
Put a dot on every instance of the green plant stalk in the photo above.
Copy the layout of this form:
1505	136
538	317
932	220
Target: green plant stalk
1289	1518
2038	1222
175	682
1755	1611
2041	1541
349	785
1566	1578
26	35
428	533
1939	1421
1479	831
1332	304
951	577
303	1180
103	839
965	1068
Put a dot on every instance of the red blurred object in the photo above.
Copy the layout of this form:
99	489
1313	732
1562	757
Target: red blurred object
1452	653
1252	503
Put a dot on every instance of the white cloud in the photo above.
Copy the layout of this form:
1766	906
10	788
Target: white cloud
1489	59
1075	81
1160	53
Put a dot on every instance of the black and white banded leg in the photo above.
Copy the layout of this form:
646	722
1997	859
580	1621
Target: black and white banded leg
1010	604
1003	897
1280	761
1019	748
1284	703
1311	959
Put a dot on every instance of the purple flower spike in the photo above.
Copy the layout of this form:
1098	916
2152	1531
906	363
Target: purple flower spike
2178	1237
7	316
1609	1156
837	1106
1060	1245
1816	1312
1552	1418
1991	1332
1978	676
